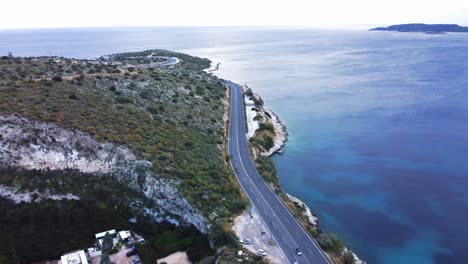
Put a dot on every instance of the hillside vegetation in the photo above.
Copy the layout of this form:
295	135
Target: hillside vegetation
171	116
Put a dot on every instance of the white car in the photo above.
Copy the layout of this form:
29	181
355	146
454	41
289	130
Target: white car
261	252
298	252
245	241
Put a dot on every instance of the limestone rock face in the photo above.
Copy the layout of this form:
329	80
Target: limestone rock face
281	135
36	145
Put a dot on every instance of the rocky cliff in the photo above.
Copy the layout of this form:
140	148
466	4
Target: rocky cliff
36	145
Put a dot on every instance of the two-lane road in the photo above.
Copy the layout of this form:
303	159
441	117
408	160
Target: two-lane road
286	231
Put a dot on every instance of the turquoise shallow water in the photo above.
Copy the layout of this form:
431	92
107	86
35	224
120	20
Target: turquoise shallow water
377	121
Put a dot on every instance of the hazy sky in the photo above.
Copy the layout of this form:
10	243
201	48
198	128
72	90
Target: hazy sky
98	13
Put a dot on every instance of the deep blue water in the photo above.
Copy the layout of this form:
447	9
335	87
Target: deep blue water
378	122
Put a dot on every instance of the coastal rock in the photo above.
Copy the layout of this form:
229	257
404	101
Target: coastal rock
281	135
254	101
356	258
313	220
36	145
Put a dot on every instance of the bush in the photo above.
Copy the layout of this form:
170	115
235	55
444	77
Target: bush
123	100
258	117
152	110
348	257
57	79
268	142
329	242
267	169
220	237
266	126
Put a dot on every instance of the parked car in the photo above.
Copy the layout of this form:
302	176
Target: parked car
136	260
298	252
261	252
245	241
132	252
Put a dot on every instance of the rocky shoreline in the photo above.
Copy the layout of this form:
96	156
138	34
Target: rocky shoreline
281	135
280	130
279	140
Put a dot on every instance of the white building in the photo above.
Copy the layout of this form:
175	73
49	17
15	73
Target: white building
76	257
125	236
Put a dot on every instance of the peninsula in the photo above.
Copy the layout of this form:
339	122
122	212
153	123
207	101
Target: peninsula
426	28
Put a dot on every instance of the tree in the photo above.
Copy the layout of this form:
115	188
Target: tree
105	259
107	243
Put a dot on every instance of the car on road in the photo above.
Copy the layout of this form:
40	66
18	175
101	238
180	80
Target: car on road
245	241
298	252
261	252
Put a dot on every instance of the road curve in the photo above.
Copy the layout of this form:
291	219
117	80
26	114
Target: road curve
286	230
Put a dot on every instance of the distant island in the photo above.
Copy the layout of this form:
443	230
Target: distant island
426	28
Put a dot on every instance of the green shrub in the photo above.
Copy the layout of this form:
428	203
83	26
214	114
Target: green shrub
329	242
266	126
267	170
348	257
123	100
57	78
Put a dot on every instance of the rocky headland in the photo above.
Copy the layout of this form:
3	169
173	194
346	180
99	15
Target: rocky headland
426	28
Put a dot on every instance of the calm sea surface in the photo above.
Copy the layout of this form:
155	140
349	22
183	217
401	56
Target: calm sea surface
378	122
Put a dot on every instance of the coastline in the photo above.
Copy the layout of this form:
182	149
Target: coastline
280	129
299	208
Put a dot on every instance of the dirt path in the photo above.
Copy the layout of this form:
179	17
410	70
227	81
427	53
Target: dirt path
175	258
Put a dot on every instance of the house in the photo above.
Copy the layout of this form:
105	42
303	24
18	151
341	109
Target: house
75	257
100	237
92	255
125	236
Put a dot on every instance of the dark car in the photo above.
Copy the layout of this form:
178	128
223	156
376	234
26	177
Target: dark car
132	252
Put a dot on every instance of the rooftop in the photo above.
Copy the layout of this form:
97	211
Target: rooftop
76	257
102	234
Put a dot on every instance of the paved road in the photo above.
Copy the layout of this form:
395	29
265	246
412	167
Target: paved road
287	232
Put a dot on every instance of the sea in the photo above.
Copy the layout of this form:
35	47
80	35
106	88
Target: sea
377	122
